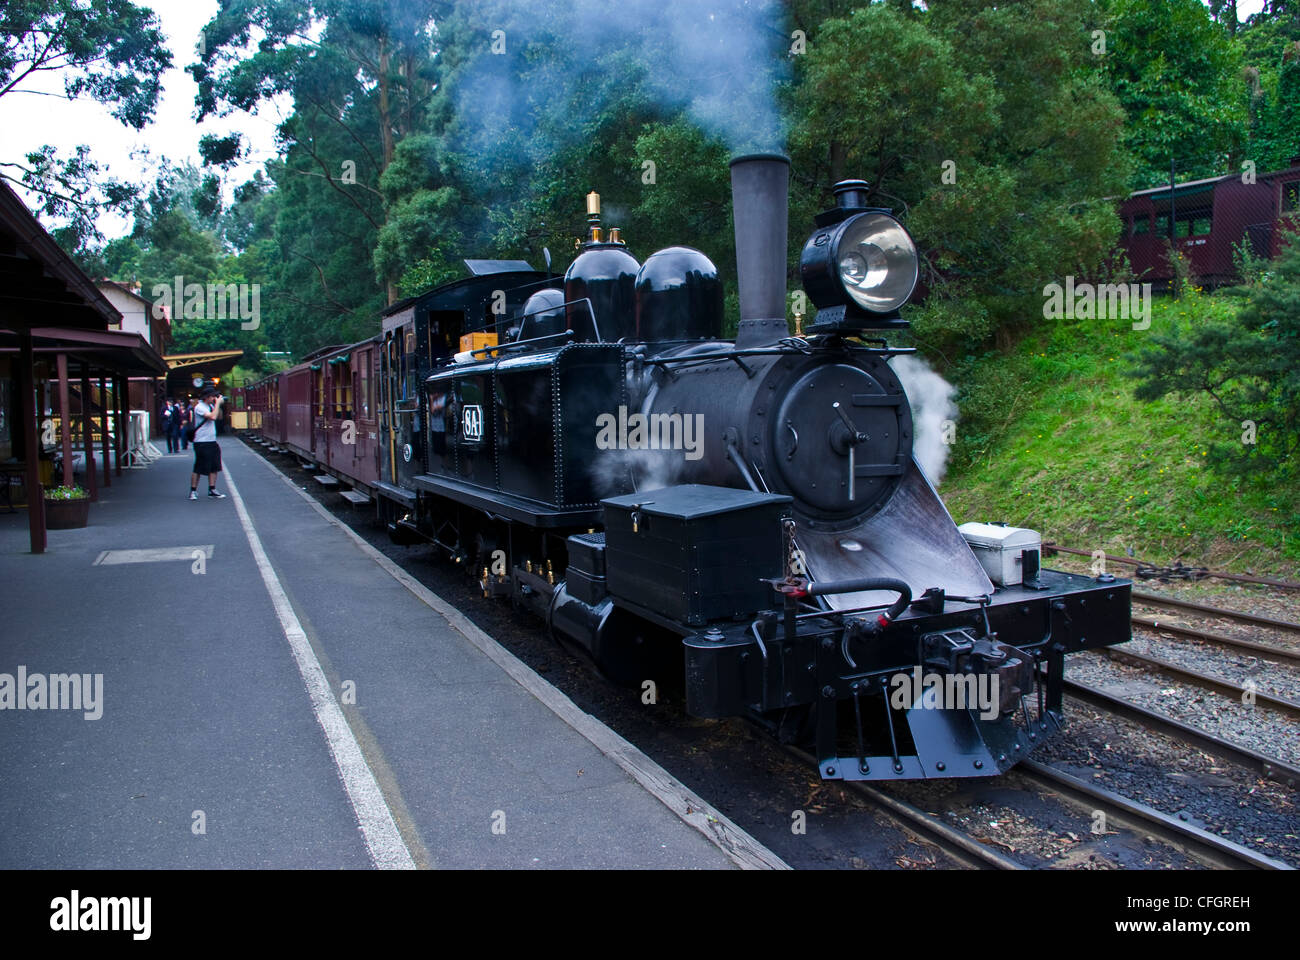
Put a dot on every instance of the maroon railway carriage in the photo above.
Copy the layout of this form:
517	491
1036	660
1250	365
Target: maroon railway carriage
272	423
1211	218
325	410
346	425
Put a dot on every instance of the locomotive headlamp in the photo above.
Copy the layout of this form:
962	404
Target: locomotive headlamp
859	267
877	262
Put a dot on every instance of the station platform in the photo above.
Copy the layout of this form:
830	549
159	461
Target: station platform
275	695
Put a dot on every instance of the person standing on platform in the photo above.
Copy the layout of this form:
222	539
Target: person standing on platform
172	426
207	455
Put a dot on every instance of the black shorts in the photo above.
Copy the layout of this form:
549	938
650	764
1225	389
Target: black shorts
207	457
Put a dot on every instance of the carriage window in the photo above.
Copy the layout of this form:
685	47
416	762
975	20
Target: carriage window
363	375
1141	224
1193	223
410	389
343	391
318	391
1291	196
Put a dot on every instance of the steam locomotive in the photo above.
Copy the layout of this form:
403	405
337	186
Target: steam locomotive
743	518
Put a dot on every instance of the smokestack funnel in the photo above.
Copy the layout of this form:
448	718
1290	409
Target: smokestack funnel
760	199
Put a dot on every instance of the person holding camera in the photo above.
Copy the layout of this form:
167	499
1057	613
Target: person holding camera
207	455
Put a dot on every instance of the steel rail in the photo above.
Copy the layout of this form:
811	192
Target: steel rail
1267	649
1270	768
1174	603
1138	817
1204	680
951	841
1218	575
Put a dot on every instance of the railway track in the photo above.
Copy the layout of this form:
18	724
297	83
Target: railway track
1269	767
1253	647
1205	681
1173	603
1246	646
951	841
1050	548
1199	844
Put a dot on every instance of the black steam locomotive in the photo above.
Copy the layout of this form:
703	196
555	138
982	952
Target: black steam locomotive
743	517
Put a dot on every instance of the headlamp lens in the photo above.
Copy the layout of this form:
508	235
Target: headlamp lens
877	262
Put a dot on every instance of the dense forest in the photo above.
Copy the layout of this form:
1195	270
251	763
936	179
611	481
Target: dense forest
422	132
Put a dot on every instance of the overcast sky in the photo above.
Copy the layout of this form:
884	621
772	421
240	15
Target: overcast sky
30	120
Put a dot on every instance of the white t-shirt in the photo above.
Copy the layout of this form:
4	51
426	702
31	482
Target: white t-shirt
207	432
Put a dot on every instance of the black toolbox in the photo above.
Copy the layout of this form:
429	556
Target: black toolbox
695	553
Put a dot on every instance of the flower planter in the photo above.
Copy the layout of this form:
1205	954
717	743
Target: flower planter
66	514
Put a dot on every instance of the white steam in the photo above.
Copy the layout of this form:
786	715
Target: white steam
614	472
934	413
546	69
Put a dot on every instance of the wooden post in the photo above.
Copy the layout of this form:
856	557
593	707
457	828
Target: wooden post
119	429
103	431
65	421
29	412
88	431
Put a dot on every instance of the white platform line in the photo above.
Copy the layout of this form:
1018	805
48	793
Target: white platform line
384	842
743	850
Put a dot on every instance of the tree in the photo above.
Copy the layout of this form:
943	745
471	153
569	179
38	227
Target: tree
1249	365
109	50
986	129
1275	133
357	91
1178	75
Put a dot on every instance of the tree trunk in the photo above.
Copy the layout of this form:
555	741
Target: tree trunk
386	126
837	161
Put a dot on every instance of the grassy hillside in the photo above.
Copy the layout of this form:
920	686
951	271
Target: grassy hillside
1052	438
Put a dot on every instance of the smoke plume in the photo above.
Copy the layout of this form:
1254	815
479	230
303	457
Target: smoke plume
548	69
931	397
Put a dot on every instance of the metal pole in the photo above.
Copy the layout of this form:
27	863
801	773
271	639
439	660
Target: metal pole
88	434
65	421
1173	229
30	412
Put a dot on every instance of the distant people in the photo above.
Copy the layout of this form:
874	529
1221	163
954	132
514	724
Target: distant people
187	417
172	426
207	455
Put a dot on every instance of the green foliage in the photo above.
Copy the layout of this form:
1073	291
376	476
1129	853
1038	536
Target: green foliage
989	129
1178	76
1051	437
74	189
109	50
689	200
1275	108
1248	362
